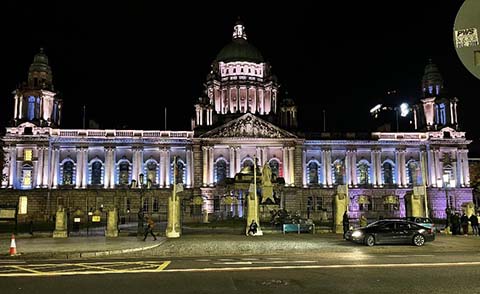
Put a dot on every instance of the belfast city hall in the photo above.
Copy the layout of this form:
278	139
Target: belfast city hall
242	124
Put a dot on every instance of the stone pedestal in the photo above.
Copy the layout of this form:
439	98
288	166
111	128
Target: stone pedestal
173	224
417	200
341	205
112	224
205	216
61	230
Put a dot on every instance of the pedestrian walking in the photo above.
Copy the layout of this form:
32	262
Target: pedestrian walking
149	229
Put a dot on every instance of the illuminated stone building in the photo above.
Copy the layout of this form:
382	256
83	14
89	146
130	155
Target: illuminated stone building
242	115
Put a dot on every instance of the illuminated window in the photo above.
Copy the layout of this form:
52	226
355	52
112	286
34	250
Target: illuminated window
22	205
152	172
363	173
387	173
27	155
275	167
338	172
221	170
27	178
68	173
313	173
96	173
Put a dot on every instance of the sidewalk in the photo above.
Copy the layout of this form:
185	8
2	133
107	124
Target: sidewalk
74	247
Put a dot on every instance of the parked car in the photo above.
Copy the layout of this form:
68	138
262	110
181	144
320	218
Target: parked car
391	232
423	221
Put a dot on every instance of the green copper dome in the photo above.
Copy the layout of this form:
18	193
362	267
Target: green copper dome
240	50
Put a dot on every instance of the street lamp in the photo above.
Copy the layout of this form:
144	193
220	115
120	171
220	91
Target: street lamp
447	184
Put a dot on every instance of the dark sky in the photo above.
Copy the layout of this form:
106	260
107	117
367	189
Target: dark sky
126	62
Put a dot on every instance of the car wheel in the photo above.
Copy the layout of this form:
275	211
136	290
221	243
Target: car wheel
418	240
370	240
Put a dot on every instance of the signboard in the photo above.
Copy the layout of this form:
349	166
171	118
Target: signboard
466	38
76	220
96	218
7	213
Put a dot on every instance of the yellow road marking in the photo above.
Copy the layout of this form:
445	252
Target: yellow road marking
94	267
163	266
25	269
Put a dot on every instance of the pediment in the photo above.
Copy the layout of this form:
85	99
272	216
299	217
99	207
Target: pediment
248	126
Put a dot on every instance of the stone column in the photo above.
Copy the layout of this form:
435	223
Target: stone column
205	166
161	169
291	168
232	161
210	166
135	165
354	168
304	168
13	167
167	168
324	168
106	182
423	168
328	167
188	154
373	156
39	169
258	153
237	159
56	166
378	154
78	174
431	170
285	166
46	167
113	167
348	172
466	172
438	165
397	169
85	168
403	175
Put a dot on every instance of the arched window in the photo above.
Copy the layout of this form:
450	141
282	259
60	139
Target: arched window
387	169
152	171
313	172
67	175
248	162
275	167
363	173
124	176
338	172
96	173
31	107
413	172
220	170
448	177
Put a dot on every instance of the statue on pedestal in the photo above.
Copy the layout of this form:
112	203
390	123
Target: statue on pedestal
267	187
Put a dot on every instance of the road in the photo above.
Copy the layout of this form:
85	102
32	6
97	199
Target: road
358	269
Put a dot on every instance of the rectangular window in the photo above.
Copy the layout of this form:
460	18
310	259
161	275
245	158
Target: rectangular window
27	155
145	205
128	205
155	204
22	205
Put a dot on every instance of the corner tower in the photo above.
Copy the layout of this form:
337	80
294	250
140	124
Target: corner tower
36	100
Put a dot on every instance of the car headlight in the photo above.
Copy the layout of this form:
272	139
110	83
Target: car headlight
357	234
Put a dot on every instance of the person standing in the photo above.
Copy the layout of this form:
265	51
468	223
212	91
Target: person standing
474	223
149	229
346	223
464	222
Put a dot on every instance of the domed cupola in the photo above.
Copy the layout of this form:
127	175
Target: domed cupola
36	101
40	73
239	49
432	81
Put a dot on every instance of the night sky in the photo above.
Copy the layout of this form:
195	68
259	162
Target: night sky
127	62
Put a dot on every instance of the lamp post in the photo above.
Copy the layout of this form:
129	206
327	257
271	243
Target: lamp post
447	184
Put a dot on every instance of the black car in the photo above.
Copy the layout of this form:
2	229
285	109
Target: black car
391	232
